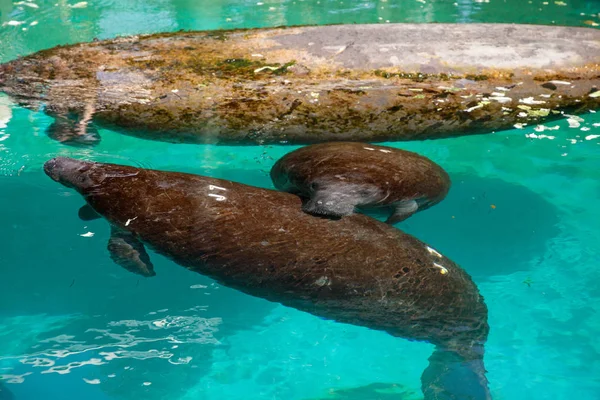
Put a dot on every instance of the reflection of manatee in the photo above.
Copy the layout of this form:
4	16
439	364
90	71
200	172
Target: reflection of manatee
498	226
374	391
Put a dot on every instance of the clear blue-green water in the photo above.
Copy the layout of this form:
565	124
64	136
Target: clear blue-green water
522	218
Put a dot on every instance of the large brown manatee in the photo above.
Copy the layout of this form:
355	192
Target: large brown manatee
355	270
312	84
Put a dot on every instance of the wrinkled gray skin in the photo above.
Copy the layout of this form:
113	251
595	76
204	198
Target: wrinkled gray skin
355	270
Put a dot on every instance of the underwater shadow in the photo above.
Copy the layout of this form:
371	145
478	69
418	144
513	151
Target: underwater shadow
5	394
487	225
373	391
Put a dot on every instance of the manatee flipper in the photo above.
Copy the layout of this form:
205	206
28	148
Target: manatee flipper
402	210
452	377
329	204
87	213
128	252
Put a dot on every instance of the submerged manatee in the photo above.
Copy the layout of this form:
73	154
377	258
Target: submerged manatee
312	84
338	177
355	270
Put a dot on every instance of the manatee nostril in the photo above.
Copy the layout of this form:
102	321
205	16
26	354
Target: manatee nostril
52	167
49	166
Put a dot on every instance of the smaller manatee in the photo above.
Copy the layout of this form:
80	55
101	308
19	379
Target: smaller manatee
336	178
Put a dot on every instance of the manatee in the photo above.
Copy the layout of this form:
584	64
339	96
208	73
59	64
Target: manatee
354	270
335	178
311	84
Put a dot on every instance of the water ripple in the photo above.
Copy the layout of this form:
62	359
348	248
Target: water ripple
118	341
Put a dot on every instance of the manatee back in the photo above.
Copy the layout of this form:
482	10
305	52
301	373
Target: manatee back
397	174
355	270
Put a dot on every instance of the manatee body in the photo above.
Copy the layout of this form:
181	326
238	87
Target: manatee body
354	270
335	178
302	85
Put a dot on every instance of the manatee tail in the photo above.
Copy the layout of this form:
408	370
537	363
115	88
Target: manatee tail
450	376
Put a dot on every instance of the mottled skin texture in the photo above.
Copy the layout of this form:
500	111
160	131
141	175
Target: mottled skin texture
312	84
354	270
335	178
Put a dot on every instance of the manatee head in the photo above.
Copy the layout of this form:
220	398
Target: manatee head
76	174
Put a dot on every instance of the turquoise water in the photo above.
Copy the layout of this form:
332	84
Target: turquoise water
521	218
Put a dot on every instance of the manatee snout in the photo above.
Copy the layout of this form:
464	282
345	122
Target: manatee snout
52	169
68	172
